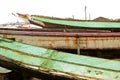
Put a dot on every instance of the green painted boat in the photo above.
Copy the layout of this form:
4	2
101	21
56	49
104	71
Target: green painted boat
51	63
84	24
50	22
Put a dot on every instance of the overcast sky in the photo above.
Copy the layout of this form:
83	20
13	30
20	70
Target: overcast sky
60	8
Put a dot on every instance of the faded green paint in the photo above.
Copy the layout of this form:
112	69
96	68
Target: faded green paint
79	23
60	61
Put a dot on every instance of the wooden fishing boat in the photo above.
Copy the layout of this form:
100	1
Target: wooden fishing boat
54	65
47	22
49	38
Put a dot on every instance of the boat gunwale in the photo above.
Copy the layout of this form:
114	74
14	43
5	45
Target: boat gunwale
60	34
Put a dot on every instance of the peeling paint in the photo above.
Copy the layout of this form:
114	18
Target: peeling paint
49	61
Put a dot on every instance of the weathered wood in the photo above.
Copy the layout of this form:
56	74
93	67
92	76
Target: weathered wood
51	64
64	40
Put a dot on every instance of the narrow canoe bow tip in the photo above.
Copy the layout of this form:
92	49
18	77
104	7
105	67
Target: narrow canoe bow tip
42	23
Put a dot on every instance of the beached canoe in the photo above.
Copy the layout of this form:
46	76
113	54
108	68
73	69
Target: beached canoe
50	22
78	24
57	39
55	65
